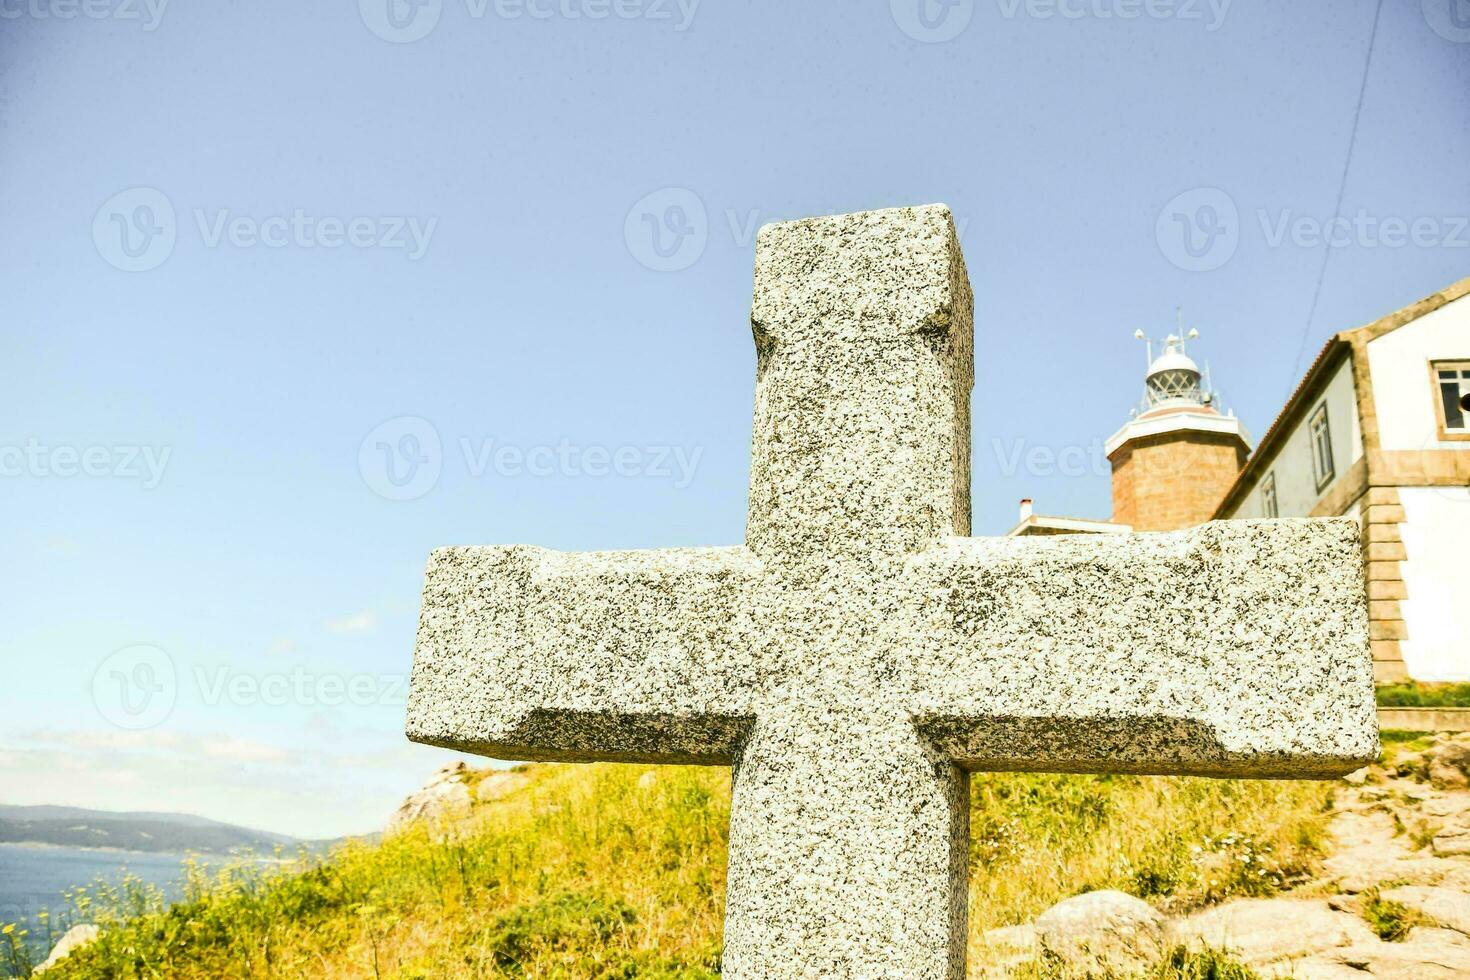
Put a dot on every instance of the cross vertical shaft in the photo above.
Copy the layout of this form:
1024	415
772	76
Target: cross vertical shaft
860	447
849	837
849	831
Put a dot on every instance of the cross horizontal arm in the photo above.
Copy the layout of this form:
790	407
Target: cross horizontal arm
527	653
1234	649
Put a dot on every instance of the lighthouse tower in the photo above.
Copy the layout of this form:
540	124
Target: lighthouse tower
1177	455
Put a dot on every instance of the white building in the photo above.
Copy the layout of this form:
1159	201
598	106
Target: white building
1379	429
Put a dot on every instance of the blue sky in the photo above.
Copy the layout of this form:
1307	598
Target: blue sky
258	258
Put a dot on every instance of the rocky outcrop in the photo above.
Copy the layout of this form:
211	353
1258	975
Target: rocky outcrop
1400	846
1448	907
1426	954
1103	931
74	938
446	796
1261	931
1451	840
498	785
450	796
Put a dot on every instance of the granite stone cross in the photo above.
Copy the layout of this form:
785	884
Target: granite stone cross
859	655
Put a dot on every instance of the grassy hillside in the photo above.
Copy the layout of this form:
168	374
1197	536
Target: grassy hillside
605	871
148	832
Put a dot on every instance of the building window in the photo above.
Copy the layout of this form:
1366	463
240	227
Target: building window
1268	496
1452	398
1321	447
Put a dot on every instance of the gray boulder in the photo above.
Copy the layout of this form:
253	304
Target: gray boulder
1454	753
1104	930
75	937
446	796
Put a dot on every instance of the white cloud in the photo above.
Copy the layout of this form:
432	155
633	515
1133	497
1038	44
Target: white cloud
183	747
305	786
362	622
243	750
110	739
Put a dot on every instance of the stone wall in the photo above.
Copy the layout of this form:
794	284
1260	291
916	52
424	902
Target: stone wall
1383	555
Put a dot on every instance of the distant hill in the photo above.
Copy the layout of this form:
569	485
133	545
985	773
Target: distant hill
152	832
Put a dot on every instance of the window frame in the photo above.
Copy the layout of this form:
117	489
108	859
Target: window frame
1270	505
1442	430
1324	475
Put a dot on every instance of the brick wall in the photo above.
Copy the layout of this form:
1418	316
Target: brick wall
1173	480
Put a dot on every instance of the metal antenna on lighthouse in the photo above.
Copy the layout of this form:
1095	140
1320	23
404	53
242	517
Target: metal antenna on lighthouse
1179	328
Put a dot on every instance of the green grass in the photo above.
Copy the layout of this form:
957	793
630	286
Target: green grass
1391	921
1412	694
583	872
1179	963
1398	736
1206	964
